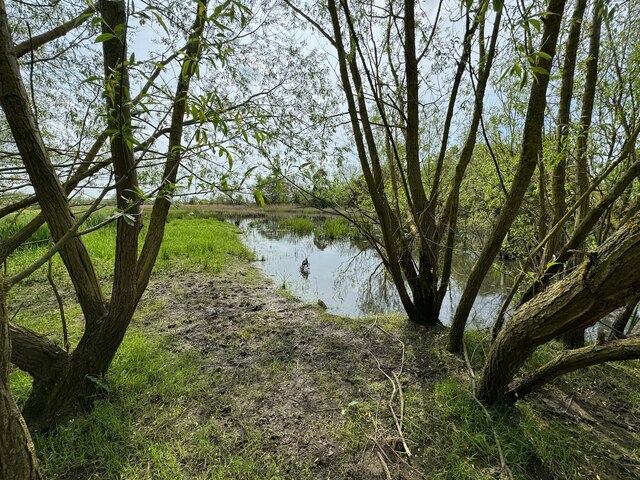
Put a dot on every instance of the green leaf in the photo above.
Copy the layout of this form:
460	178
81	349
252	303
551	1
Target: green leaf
544	55
161	22
128	218
257	194
535	23
540	70
104	37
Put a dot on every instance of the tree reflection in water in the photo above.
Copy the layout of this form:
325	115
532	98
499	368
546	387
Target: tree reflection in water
350	279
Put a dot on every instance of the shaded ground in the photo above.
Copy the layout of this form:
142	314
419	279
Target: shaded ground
318	388
292	372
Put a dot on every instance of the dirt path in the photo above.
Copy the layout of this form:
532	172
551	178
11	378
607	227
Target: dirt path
316	389
293	373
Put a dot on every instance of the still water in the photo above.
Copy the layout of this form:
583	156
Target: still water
349	278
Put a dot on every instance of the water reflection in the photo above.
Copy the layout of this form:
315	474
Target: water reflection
350	279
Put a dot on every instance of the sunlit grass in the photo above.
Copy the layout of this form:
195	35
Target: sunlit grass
336	228
159	420
298	225
200	243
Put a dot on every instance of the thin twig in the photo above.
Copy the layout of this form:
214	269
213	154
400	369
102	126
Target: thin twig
63	318
384	464
569	405
396	388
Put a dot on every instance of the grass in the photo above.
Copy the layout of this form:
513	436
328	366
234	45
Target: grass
298	225
336	228
168	412
150	427
191	242
327	228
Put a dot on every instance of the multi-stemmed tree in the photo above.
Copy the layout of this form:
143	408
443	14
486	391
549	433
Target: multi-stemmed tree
62	381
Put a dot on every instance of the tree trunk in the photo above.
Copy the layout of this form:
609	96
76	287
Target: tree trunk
49	192
18	459
450	215
588	98
76	383
527	165
559	172
72	382
397	254
589	221
627	349
161	206
596	287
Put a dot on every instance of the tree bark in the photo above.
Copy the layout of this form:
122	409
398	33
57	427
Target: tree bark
450	215
18	459
602	283
367	151
566	362
526	167
161	206
588	99
559	172
588	222
49	192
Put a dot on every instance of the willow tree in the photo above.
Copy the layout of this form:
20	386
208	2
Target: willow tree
608	153
527	164
599	285
384	54
65	381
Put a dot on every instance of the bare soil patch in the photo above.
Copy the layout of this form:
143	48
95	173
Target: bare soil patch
317	388
294	372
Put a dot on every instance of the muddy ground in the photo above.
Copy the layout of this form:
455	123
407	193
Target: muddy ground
294	372
297	376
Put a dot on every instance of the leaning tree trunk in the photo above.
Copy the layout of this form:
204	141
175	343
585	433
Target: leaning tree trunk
50	193
569	361
527	165
17	455
602	283
76	383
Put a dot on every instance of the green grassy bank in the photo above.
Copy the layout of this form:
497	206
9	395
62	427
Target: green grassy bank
167	412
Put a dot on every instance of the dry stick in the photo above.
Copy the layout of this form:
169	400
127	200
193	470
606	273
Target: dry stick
397	388
397	377
503	465
384	465
401	397
569	405
63	318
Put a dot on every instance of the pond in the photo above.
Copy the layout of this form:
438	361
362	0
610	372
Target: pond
348	277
